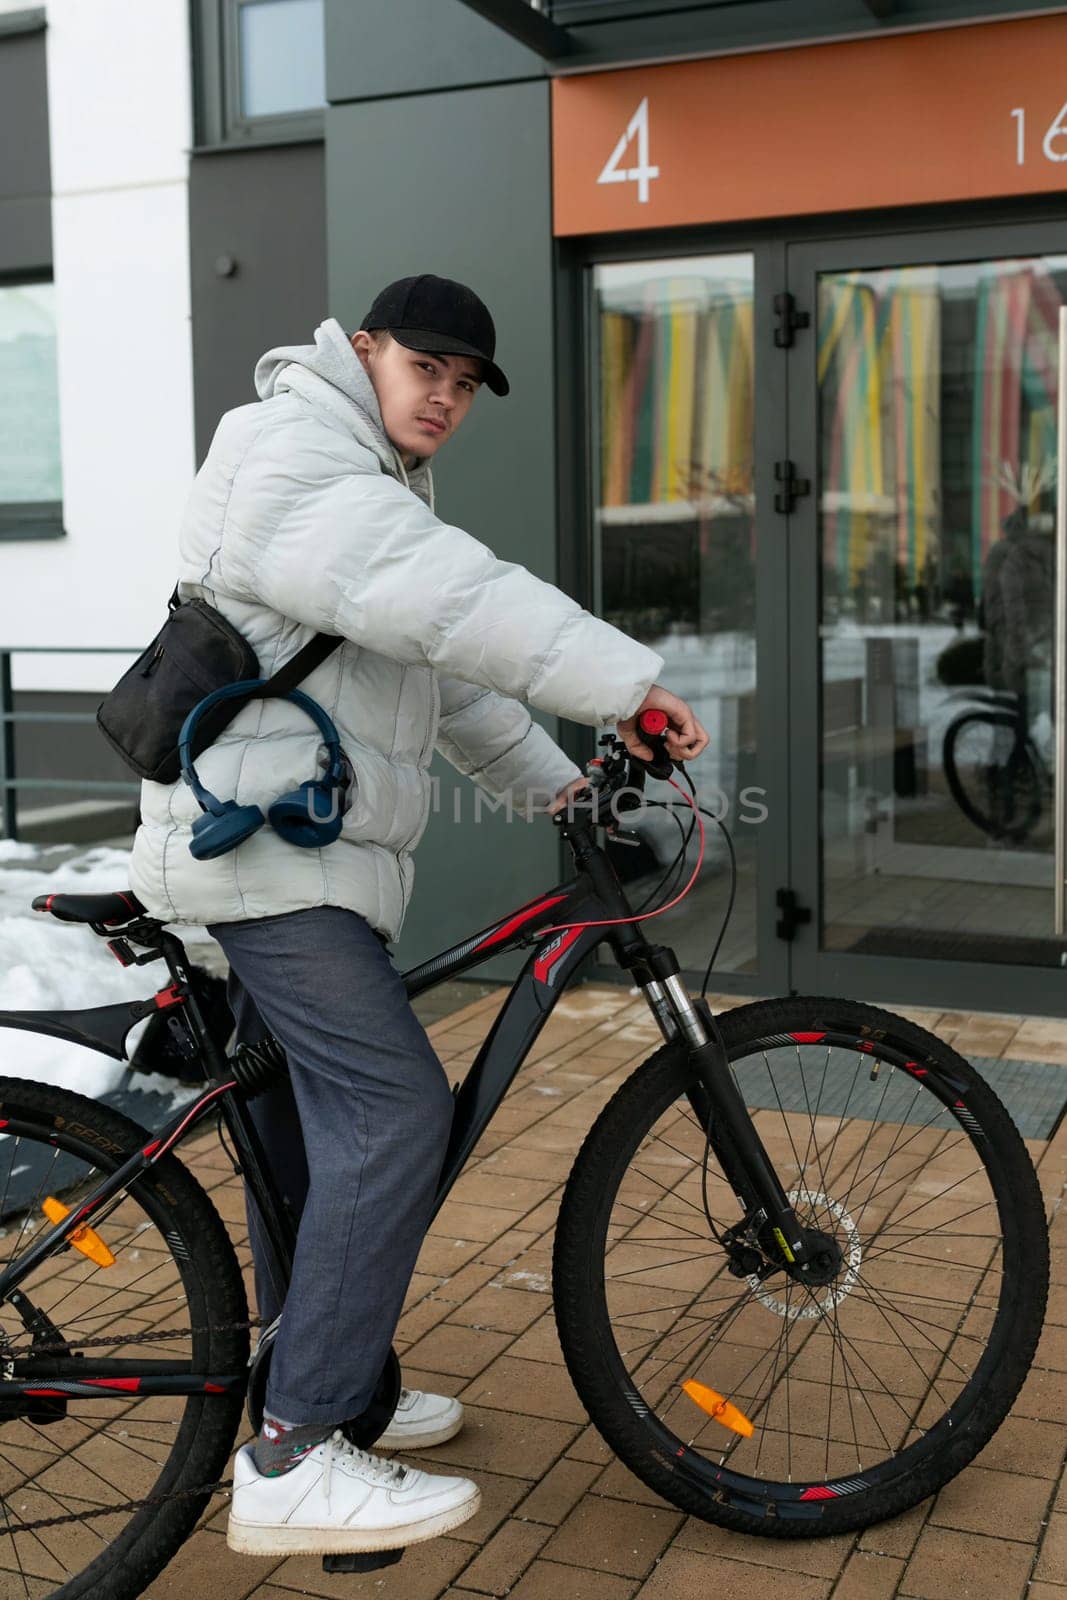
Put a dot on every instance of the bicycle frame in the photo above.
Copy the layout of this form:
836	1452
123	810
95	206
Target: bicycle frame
594	896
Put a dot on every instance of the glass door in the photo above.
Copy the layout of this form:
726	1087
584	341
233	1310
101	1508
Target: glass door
680	555
923	406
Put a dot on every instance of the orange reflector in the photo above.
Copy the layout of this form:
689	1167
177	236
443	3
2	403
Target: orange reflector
717	1406
84	1239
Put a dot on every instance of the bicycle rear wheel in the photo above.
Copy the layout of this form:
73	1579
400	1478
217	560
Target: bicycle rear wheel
992	774
76	1320
865	1394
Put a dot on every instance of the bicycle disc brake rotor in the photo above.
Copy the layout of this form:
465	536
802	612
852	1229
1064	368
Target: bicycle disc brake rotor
812	1202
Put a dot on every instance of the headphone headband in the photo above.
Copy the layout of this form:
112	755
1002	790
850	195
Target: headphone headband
249	688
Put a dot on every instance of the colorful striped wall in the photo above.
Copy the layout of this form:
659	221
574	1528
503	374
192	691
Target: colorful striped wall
676	362
677	393
879	372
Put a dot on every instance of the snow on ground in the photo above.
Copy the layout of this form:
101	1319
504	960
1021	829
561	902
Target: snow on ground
49	965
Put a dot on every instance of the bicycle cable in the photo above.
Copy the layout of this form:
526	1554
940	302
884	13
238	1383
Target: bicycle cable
672	872
716	1032
668	881
643	916
668	806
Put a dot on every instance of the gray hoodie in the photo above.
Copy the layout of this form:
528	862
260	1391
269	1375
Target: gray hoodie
332	358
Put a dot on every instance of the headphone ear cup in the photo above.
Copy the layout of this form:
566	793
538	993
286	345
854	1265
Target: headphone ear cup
216	832
309	816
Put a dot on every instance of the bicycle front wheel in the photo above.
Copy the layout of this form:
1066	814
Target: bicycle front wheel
861	1395
94	1344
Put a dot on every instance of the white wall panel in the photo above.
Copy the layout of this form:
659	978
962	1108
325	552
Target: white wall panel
119	115
126	419
119	92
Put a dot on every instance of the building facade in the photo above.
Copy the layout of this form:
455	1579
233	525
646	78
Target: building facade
779	291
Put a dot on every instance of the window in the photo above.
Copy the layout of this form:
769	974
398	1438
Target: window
281	57
260	70
30	477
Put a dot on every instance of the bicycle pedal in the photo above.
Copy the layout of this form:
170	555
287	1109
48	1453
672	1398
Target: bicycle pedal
361	1560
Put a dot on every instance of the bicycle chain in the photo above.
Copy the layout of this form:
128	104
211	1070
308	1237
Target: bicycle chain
13	1528
125	1505
9	1352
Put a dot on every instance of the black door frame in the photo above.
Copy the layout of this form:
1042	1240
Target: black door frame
940	983
789	742
577	556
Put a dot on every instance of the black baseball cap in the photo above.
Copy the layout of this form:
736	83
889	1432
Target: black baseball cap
441	317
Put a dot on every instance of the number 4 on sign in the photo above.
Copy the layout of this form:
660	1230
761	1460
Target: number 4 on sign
636	128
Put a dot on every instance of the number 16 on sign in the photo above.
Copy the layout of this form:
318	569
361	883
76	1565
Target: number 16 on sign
1052	144
642	173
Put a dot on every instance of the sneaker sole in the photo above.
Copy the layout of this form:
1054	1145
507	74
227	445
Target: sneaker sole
417	1441
253	1539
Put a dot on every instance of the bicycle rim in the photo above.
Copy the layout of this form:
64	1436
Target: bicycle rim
67	1456
994	776
864	1393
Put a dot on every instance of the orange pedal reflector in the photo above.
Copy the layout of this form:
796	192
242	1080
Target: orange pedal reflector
84	1239
716	1405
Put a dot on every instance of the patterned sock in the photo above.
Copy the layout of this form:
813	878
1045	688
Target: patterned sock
281	1446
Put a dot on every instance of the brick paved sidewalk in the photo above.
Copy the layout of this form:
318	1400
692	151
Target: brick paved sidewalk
561	1519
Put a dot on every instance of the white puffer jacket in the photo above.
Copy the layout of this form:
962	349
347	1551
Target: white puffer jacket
303	520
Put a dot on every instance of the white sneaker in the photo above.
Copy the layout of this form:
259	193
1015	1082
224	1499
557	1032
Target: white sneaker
340	1499
420	1420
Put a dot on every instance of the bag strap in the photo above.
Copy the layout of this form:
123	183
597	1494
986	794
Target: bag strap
300	666
294	671
218	719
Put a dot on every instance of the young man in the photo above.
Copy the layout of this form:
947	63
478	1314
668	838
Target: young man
314	512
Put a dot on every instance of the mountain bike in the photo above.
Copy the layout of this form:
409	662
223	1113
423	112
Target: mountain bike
799	1272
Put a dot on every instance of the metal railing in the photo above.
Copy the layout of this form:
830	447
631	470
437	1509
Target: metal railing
10	782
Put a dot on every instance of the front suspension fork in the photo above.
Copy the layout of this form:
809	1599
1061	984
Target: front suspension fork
720	1109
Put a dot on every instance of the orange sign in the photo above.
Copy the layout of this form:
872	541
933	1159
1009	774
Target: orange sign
953	114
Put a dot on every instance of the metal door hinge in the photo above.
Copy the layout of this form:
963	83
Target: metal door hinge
793	914
789	320
785	500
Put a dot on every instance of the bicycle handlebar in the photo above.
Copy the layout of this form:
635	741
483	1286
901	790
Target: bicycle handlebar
618	772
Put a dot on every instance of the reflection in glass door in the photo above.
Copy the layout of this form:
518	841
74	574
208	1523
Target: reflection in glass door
936	522
675	546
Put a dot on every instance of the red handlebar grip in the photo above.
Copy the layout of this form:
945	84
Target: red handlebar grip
652	722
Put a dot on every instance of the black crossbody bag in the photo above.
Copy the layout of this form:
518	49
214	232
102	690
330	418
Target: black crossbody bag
195	652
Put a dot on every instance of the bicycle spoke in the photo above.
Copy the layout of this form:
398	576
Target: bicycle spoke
82	1477
832	1373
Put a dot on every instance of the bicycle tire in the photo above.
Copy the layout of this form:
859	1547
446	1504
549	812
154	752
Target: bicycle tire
176	1268
1021	779
612	1204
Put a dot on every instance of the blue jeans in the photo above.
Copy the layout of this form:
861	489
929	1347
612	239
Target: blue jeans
355	1133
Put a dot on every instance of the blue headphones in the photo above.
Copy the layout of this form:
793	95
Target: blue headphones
309	816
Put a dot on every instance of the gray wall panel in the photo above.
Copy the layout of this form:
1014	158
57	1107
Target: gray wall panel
386	47
465	193
266	210
25	175
24	164
25	234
